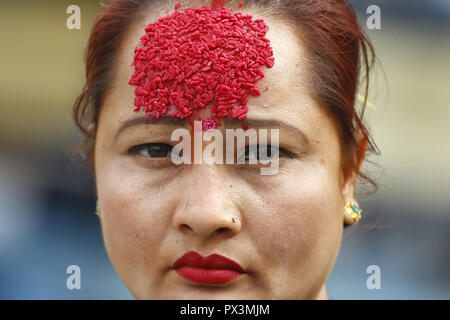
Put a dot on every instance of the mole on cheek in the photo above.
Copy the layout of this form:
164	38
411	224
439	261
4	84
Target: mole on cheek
199	57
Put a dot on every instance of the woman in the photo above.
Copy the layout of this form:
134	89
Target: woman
211	231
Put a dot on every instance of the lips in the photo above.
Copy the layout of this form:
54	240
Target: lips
213	269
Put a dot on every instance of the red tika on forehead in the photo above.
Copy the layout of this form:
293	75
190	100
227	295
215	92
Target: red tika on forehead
217	3
197	57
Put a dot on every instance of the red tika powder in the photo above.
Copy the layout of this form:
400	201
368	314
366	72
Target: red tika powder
191	59
217	3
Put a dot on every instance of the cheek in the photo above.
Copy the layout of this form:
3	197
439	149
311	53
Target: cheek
132	219
301	217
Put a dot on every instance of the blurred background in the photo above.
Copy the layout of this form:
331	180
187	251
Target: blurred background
47	199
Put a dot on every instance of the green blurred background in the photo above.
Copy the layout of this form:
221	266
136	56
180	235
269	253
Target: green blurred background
47	200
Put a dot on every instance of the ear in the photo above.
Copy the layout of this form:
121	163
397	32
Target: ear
349	175
91	129
90	152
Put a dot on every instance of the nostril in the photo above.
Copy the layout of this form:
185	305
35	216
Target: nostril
222	230
184	228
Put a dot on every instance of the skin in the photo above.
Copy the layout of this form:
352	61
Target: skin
289	225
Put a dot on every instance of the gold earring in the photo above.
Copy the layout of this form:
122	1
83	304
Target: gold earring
353	210
97	211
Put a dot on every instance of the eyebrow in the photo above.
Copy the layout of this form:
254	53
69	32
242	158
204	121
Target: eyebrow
178	122
266	123
167	120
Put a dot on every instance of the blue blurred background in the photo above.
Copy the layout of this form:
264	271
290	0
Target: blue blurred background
47	199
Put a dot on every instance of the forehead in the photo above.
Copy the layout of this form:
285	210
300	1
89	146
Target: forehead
283	88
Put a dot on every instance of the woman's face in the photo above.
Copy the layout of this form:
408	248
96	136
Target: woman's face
283	229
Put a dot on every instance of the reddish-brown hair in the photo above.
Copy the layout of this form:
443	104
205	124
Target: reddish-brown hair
339	55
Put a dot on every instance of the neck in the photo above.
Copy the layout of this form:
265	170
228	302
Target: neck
322	295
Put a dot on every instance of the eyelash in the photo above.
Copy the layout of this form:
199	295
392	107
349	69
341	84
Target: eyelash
136	150
282	152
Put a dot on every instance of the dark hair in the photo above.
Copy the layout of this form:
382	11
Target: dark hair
337	48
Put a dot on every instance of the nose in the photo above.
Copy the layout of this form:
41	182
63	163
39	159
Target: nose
207	208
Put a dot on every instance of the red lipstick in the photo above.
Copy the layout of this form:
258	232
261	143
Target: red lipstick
213	269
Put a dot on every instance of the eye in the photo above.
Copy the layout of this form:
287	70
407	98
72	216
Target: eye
152	150
262	152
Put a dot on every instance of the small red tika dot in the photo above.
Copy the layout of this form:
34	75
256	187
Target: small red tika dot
177	6
225	51
241	4
209	124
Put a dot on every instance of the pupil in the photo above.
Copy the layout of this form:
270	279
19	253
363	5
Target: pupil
158	150
266	151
